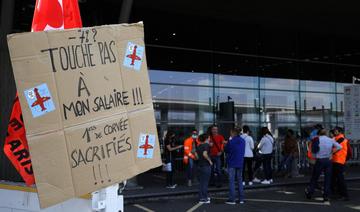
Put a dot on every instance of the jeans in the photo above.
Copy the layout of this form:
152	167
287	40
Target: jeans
190	169
235	173
286	162
321	165
338	180
267	166
216	170
248	163
204	177
170	176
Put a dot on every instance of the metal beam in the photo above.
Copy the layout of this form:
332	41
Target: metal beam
125	11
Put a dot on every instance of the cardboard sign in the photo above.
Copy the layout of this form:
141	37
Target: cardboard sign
87	107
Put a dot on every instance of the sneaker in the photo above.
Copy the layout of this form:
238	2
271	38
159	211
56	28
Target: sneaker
208	199
204	201
256	180
266	182
251	183
242	202
229	202
271	180
171	186
244	183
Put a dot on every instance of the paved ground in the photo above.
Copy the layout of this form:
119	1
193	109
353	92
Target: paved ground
271	199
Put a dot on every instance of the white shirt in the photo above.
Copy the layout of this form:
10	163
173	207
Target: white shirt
266	145
249	145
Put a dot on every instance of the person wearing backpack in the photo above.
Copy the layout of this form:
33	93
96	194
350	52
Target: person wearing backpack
322	148
338	162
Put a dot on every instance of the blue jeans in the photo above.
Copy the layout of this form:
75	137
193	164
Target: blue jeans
235	173
204	177
216	170
325	165
190	169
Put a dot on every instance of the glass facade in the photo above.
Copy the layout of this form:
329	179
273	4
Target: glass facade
186	100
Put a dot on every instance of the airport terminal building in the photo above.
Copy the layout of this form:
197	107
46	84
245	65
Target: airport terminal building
283	65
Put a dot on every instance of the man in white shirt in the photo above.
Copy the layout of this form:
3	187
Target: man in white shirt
326	147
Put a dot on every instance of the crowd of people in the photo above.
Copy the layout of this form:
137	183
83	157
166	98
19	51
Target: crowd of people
206	156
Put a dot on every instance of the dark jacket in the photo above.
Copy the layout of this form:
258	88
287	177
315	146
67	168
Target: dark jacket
235	151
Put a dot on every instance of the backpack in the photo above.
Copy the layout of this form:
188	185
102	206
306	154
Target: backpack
315	145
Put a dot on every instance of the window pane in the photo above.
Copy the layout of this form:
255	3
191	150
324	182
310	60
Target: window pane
306	85
318	107
340	107
280	84
244	101
183	103
237	81
340	87
279	106
176	77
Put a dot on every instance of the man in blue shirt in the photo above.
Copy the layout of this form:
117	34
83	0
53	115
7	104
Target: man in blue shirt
235	151
327	147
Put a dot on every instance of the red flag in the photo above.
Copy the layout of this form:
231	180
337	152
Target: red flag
16	147
56	14
48	15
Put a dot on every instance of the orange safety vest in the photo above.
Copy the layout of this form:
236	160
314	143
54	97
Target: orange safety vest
340	156
309	153
188	149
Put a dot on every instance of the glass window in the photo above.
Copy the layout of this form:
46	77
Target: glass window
340	107
318	107
236	81
244	101
176	77
279	84
183	103
279	106
320	86
340	87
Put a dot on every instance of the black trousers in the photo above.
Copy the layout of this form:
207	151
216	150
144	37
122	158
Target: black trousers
321	165
338	180
248	164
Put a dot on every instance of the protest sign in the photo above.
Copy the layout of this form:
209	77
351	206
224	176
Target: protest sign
87	107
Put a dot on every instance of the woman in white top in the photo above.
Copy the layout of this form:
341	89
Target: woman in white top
265	149
249	155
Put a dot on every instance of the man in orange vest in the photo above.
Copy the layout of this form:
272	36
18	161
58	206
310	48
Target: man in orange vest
190	145
339	160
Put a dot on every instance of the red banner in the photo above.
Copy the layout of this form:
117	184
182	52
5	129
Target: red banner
16	147
48	15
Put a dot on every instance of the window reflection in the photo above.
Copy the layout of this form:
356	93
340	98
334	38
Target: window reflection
307	85
176	77
318	107
279	106
236	81
279	84
244	101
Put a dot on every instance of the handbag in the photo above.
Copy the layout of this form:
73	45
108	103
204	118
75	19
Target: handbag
166	167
